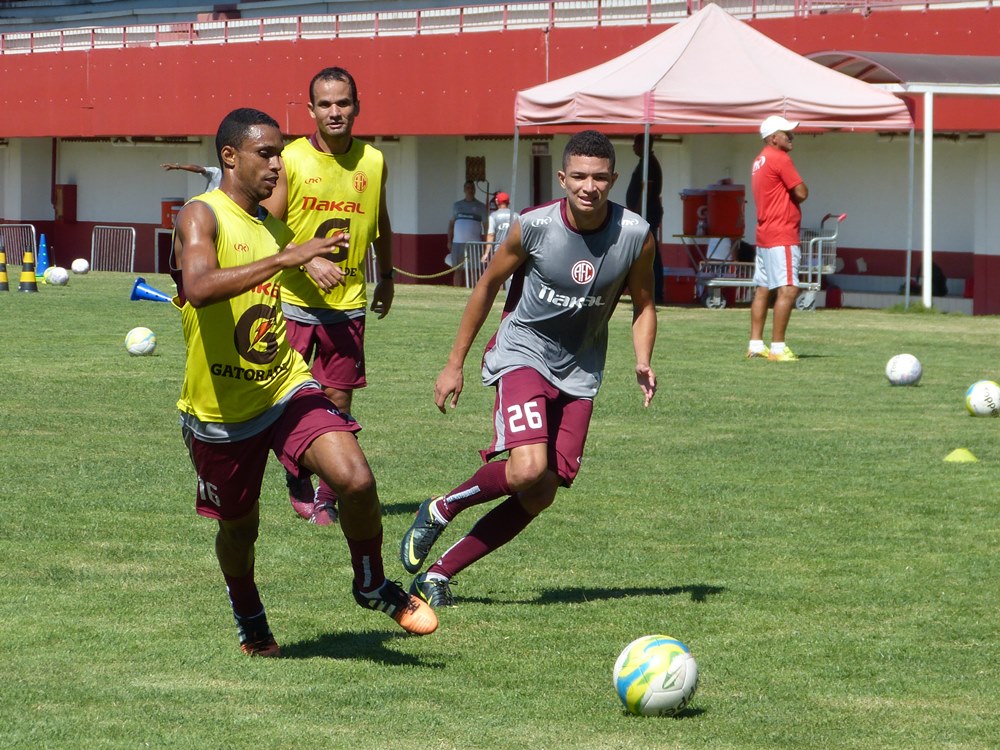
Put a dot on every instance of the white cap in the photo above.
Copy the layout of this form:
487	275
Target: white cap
776	123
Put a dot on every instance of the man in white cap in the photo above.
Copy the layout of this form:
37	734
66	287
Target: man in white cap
778	191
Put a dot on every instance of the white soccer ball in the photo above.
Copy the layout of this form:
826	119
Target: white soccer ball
904	369
983	399
56	276
655	676
140	342
80	265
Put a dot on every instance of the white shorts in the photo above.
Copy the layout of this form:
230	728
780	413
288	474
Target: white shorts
777	266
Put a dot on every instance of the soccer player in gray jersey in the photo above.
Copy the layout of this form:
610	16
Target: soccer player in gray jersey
570	261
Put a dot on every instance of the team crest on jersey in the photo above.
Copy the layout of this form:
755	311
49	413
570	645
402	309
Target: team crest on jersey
759	162
582	272
360	180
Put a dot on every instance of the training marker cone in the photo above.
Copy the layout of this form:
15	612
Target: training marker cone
961	456
28	282
4	283
43	259
141	290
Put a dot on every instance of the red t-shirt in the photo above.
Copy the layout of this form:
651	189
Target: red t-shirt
778	217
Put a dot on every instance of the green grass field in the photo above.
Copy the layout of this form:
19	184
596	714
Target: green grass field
795	524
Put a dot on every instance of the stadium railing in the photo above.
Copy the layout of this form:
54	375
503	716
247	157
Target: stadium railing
16	239
462	19
112	249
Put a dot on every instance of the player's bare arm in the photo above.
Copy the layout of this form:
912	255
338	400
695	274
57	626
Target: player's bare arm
385	289
325	272
508	257
799	193
640	284
205	282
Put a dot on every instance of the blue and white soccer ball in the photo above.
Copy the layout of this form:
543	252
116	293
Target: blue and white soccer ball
982	399
140	342
904	369
655	676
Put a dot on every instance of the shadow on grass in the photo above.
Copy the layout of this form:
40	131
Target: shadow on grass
370	646
686	713
402	509
575	595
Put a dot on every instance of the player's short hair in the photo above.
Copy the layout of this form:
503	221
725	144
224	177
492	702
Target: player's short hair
589	143
333	74
235	128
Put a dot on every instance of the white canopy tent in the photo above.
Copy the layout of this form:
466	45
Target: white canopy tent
710	69
926	75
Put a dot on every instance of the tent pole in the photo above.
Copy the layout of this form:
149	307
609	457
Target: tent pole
928	198
645	168
513	171
909	225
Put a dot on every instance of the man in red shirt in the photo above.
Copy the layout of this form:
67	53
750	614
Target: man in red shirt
778	191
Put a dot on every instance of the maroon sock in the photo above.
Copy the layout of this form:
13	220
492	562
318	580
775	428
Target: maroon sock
491	532
366	559
243	595
325	494
489	483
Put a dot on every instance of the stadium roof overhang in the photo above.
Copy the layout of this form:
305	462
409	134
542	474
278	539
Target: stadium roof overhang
927	75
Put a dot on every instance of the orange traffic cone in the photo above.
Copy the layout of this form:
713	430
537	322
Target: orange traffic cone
4	283
28	283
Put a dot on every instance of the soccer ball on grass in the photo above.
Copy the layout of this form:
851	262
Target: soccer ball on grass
140	342
983	399
903	369
655	676
80	265
57	276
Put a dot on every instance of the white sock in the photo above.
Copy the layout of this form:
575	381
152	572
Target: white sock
777	347
756	345
434	577
435	513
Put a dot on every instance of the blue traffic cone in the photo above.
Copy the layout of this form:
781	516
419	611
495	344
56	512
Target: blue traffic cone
43	259
143	291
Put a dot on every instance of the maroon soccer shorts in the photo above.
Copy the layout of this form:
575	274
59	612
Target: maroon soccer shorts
339	351
529	410
230	474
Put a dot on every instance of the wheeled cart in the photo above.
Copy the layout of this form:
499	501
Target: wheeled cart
818	258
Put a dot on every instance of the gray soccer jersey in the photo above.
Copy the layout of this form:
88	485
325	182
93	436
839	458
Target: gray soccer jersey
557	311
499	224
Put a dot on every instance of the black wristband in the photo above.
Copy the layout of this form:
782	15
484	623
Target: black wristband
389	275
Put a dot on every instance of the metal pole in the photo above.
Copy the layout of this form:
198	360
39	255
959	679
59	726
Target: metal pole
928	197
645	168
513	171
909	224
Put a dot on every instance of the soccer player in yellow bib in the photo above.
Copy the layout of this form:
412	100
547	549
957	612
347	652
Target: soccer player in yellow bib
333	181
246	391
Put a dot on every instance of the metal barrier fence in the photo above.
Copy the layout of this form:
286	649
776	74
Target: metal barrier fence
477	256
17	238
112	249
467	19
371	266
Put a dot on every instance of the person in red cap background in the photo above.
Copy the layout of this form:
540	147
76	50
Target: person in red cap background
778	191
499	225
